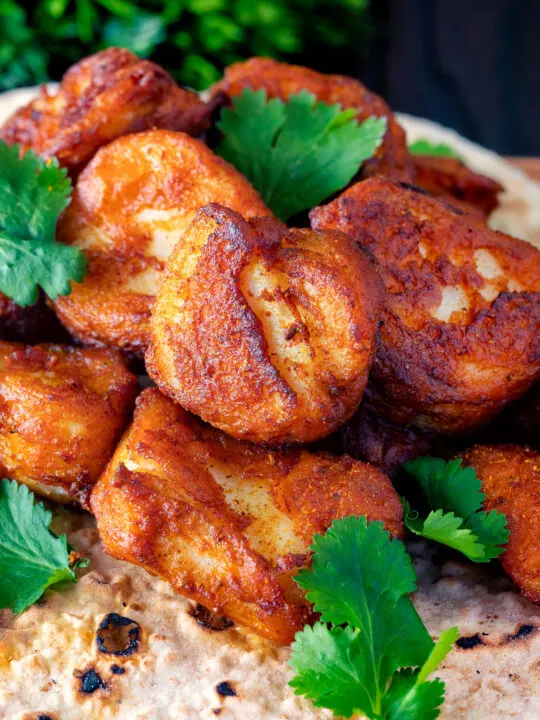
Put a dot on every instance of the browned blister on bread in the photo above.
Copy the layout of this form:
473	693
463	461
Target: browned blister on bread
62	411
454	182
228	523
459	338
102	97
130	207
265	332
281	80
510	477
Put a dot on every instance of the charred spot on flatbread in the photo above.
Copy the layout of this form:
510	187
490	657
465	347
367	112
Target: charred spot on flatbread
522	632
90	681
118	635
117	670
225	689
470	642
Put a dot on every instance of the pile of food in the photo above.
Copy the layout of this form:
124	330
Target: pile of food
339	356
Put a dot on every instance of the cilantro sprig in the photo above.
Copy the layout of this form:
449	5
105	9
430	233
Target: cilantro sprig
370	653
454	498
425	147
32	559
296	154
33	193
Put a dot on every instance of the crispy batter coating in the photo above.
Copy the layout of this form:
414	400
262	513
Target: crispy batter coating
281	80
104	96
265	332
225	522
510	477
129	209
460	330
62	411
456	183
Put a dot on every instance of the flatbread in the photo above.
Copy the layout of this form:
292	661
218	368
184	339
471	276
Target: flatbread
519	210
156	661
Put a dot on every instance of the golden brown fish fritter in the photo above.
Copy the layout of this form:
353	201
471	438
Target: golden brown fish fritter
265	332
455	182
102	97
228	523
460	336
510	477
62	411
281	81
130	207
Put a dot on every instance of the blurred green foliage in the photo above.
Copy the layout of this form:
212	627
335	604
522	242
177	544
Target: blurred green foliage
193	39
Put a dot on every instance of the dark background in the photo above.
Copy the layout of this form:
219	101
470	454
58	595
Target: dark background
473	65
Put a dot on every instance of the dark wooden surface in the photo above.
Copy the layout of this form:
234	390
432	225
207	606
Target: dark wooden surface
473	65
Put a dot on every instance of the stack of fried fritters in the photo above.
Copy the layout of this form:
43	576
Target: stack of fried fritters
398	322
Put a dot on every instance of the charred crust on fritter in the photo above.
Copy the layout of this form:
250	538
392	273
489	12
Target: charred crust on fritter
102	97
510	478
223	356
456	345
165	503
62	411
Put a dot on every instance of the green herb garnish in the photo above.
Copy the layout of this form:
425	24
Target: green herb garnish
370	653
32	559
33	193
425	147
454	498
296	154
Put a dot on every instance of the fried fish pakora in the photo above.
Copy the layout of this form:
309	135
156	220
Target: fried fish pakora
104	96
281	81
265	332
225	522
460	336
129	209
62	411
510	477
450	179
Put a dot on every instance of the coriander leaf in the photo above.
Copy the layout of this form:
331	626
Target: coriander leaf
454	497
330	669
31	557
492	531
252	122
33	193
425	147
298	153
344	588
446	529
443	646
360	578
445	484
406	699
410	697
